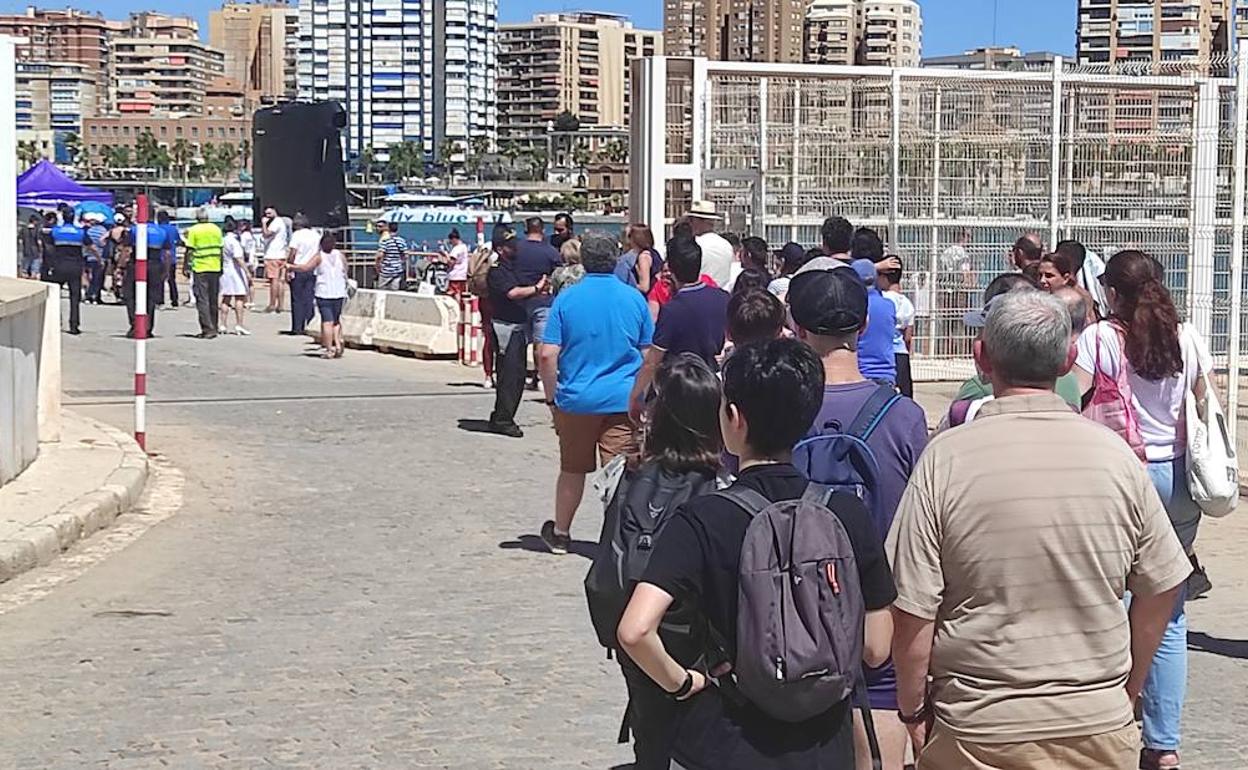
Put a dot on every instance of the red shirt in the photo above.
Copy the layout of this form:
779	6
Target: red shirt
662	291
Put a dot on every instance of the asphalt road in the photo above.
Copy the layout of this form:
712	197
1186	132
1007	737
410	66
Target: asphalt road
348	582
348	578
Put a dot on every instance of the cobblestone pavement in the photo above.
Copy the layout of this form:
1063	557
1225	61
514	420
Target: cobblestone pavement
351	582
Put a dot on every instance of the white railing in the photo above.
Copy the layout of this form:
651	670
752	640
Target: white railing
1147	161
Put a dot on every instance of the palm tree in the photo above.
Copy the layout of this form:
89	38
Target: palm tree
146	150
537	162
73	147
616	152
244	153
511	151
368	159
181	154
28	153
227	156
406	159
580	156
478	146
446	156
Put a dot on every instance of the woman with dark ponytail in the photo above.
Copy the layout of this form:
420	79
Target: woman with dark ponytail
1161	359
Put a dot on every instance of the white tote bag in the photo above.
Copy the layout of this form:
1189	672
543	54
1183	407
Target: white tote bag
1212	467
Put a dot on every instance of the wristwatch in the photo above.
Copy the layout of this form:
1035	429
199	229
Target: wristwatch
917	717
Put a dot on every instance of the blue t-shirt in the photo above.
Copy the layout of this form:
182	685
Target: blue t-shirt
601	327
172	238
156	238
98	235
535	259
875	346
695	322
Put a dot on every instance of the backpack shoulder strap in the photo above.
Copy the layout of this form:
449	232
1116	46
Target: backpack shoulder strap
747	499
818	494
873	411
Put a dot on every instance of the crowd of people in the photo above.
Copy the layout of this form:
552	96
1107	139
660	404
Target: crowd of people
88	256
946	601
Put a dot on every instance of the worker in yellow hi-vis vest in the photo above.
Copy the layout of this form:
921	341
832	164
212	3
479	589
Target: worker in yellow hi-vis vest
204	243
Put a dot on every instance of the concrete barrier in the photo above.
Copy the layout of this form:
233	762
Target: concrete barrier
29	367
399	320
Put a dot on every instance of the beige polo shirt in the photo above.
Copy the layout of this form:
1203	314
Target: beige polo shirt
1018	535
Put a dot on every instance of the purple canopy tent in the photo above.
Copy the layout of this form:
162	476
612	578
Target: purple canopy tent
43	186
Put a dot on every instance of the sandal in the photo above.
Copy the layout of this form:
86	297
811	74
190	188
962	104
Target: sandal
1159	759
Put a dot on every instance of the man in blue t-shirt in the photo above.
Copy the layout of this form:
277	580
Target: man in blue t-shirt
875	346
694	321
830	309
595	338
168	259
536	259
156	238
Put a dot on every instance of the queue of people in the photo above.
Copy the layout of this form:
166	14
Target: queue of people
946	603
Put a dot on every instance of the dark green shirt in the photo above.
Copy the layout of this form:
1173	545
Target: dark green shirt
1067	388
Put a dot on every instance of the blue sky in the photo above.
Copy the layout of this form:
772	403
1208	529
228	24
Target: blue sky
949	26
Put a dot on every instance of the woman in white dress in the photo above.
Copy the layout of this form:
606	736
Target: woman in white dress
234	279
331	292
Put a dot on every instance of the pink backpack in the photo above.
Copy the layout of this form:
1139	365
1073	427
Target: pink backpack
1111	400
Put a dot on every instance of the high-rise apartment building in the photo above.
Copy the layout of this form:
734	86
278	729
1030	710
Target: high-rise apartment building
63	36
1192	32
994	58
160	66
418	71
887	33
735	30
261	46
1241	21
52	99
567	62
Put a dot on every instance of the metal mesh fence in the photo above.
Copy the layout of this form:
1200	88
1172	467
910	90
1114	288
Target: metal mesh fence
952	167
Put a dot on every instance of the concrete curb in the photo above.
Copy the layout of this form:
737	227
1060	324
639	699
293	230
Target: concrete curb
44	540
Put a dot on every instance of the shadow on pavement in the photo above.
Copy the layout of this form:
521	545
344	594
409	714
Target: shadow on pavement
583	548
1227	648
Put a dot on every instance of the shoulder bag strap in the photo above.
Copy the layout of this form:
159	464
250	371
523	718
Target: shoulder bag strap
873	411
747	499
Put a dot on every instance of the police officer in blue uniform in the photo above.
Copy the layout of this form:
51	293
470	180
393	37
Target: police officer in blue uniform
156	238
68	241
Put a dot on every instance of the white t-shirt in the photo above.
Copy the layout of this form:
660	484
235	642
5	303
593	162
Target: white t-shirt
278	239
780	286
248	241
459	262
905	319
1158	404
306	243
716	258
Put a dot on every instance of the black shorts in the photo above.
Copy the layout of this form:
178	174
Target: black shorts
330	309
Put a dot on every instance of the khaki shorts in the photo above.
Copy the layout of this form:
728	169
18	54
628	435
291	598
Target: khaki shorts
581	434
1117	750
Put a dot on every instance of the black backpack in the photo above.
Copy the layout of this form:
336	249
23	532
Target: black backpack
643	504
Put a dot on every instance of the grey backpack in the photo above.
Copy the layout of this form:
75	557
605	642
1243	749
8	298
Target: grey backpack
800	610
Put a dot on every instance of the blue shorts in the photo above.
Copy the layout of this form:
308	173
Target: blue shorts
330	309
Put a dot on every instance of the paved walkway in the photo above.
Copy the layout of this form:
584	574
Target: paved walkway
352	582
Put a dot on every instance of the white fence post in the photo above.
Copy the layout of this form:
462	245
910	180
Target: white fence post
894	205
1055	150
797	125
8	166
1204	210
758	213
1237	241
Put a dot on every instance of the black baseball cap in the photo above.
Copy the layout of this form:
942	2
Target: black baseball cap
828	302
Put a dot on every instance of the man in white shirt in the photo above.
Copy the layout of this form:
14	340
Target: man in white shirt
304	244
716	252
276	241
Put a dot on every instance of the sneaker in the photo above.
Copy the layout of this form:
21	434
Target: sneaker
558	544
75	332
241	331
511	431
488	383
1157	759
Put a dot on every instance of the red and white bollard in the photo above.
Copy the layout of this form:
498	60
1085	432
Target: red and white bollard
140	322
469	330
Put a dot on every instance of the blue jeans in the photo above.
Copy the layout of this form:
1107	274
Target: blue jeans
1166	686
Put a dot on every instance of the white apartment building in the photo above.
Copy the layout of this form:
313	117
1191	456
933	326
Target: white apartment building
418	71
877	32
